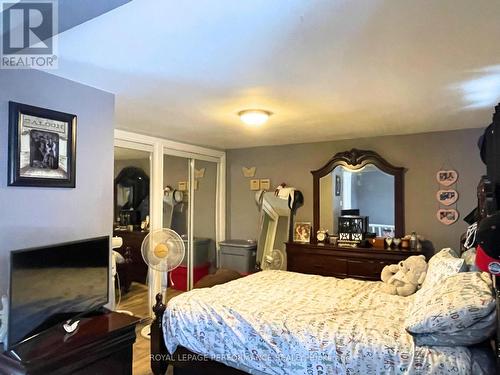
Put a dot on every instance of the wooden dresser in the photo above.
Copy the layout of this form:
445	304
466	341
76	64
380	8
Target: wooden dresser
329	260
101	345
134	268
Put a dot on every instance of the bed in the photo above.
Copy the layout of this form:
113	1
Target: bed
278	322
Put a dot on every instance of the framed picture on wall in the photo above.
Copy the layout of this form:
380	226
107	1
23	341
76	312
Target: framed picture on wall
302	232
42	147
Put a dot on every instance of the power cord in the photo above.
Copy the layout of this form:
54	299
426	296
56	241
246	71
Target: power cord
119	291
120	298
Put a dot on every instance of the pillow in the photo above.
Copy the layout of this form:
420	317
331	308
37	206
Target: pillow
483	330
457	303
442	265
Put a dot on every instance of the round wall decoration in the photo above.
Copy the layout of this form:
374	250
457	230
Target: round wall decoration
447	197
447	177
447	216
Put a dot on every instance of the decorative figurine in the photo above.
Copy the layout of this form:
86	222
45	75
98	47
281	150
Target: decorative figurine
388	241
396	242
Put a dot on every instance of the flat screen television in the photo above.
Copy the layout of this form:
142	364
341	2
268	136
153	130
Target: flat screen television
52	284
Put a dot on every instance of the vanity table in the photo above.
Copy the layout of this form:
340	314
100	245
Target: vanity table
329	260
353	180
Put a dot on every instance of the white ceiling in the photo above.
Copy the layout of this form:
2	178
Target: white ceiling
327	69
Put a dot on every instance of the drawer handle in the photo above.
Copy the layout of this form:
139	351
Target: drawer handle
319	266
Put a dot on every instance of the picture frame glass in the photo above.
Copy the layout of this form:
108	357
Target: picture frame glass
43	148
302	232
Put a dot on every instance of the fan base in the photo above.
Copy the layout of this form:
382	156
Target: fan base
146	332
125	312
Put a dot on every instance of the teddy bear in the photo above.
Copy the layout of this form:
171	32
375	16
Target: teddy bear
404	278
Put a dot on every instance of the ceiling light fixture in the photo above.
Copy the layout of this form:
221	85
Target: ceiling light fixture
254	117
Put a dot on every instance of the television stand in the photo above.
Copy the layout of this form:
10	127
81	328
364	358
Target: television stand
102	344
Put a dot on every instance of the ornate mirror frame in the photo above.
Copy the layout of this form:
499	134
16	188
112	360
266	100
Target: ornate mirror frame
357	159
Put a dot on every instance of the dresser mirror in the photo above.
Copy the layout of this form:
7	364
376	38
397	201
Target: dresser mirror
359	180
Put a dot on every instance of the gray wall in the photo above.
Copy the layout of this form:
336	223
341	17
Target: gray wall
422	154
42	216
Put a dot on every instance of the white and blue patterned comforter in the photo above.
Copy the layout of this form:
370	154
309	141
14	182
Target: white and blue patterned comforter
276	322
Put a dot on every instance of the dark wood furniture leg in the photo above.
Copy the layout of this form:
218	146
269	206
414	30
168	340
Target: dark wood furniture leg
159	360
183	360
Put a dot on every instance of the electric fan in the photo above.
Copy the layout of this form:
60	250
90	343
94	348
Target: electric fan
275	261
163	250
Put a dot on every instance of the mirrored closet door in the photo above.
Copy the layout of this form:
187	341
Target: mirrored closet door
176	213
189	208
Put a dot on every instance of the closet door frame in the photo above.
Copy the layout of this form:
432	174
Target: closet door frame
160	147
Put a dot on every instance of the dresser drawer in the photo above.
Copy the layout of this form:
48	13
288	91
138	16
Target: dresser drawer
329	260
365	269
318	264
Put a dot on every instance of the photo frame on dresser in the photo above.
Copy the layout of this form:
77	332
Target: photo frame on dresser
302	232
42	147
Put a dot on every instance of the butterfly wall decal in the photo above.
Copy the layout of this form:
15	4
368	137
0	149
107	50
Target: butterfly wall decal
199	173
248	172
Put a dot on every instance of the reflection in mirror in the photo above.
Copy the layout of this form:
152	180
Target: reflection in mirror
205	218
175	194
131	171
369	190
176	214
275	216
